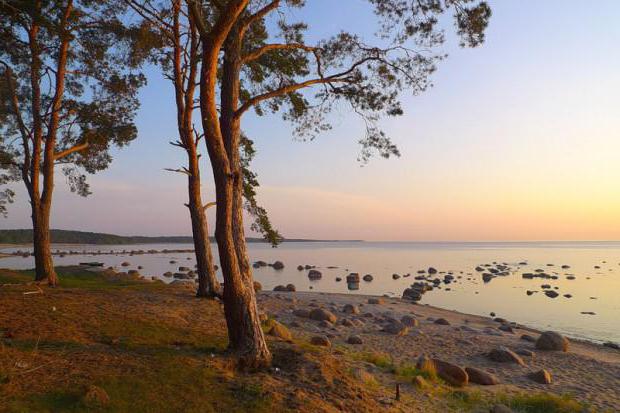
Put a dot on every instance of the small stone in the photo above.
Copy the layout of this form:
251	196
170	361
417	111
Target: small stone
442	322
291	288
368	278
278	265
320	314
396	328
314	275
354	340
551	293
451	373
409	321
552	341
541	376
320	341
506	328
505	355
353	278
350	309
481	377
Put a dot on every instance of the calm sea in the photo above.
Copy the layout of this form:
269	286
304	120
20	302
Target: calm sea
593	289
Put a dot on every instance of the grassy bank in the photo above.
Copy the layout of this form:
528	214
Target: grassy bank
112	344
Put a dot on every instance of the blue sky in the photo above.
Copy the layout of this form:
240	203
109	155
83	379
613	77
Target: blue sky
519	139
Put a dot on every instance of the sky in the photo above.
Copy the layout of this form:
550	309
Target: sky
519	139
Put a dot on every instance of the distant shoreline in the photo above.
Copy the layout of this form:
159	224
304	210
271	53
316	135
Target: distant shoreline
15	237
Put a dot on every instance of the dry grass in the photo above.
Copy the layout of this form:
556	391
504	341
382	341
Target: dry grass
152	348
157	348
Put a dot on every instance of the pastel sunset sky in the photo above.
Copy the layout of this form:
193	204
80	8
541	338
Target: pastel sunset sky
518	140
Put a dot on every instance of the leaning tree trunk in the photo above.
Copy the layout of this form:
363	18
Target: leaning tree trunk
245	334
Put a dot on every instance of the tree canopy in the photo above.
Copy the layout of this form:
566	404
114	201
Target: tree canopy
67	74
281	71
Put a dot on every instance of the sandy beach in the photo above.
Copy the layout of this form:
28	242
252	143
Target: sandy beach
588	371
117	323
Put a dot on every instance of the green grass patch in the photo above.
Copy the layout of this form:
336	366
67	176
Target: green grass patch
77	277
465	401
382	360
408	372
474	401
166	383
14	277
52	402
543	403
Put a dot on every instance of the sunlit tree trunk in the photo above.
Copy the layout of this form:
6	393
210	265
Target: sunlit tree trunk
208	286
246	338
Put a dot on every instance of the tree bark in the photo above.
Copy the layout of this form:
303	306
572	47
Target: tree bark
245	334
44	265
246	338
208	285
250	339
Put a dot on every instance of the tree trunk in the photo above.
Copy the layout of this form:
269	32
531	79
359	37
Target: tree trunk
208	285
44	265
248	340
245	334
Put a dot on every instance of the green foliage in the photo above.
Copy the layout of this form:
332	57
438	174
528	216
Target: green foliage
95	110
261	223
305	81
